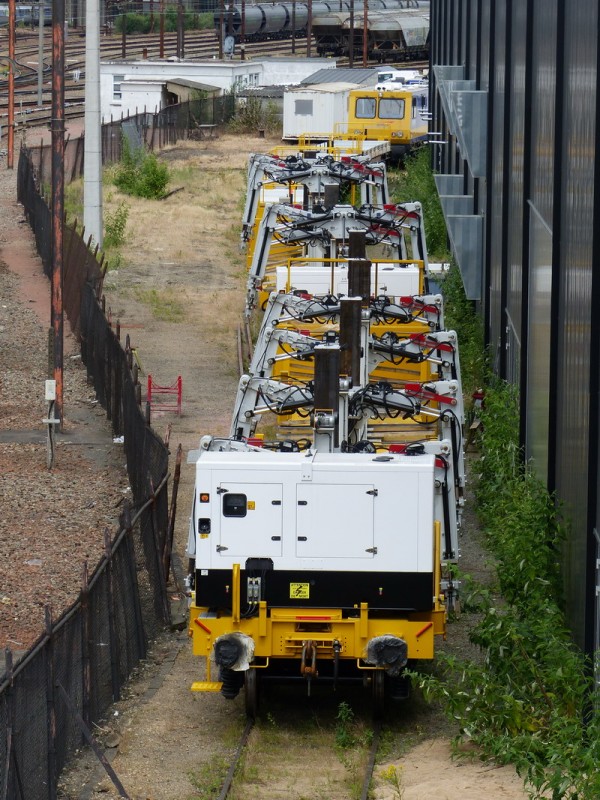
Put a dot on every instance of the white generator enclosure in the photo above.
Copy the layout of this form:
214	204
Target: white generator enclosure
314	530
392	280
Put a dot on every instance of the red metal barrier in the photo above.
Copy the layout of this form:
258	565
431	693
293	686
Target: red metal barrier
174	390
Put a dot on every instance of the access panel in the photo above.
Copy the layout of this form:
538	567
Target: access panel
250	519
335	521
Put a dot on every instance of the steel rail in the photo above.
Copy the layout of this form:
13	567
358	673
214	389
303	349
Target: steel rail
236	760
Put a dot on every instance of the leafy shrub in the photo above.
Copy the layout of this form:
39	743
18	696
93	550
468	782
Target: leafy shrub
528	702
461	316
140	173
141	23
415	183
114	226
251	116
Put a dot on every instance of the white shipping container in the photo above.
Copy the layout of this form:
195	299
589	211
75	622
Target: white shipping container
315	109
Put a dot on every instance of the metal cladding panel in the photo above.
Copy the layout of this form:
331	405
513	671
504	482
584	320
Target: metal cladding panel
484	52
578	175
539	332
517	145
497	187
543	104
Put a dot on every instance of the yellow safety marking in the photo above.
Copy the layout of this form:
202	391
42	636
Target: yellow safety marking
207	686
251	505
300	590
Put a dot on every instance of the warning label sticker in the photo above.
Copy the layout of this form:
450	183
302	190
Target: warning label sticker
300	591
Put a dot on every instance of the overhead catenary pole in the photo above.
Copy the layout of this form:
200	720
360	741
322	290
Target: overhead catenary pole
351	37
309	29
58	194
293	27
123	35
365	31
11	84
161	50
221	27
40	75
92	143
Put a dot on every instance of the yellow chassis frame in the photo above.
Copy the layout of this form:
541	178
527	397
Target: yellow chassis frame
280	633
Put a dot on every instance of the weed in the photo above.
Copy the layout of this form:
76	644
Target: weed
74	200
114	226
140	173
393	777
344	736
461	316
415	183
209	779
164	305
252	116
527	703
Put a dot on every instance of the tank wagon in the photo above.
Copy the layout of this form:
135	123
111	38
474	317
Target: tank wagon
401	35
282	20
324	524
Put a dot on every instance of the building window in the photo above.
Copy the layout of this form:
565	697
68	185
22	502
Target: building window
303	108
117	86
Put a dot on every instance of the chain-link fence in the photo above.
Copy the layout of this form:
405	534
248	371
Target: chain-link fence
49	699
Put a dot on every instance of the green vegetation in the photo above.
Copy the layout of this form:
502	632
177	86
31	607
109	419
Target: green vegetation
142	23
114	226
73	199
393	777
164	304
208	780
415	183
461	316
527	703
252	116
140	173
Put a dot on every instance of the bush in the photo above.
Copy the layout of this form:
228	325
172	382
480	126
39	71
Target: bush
140	23
461	316
140	173
415	183
251	116
528	703
114	226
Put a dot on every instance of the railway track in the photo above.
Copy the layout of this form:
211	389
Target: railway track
268	754
198	45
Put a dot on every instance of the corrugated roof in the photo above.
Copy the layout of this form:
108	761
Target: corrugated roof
326	88
262	91
358	76
189	83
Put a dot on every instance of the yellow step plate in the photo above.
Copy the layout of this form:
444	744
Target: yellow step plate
206	686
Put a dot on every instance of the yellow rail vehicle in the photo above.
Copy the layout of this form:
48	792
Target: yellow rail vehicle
399	117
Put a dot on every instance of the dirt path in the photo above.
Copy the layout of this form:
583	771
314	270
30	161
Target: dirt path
166	743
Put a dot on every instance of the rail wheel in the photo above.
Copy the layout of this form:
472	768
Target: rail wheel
378	687
252	682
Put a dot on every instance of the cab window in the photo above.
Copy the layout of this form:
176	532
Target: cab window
391	108
365	107
234	505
